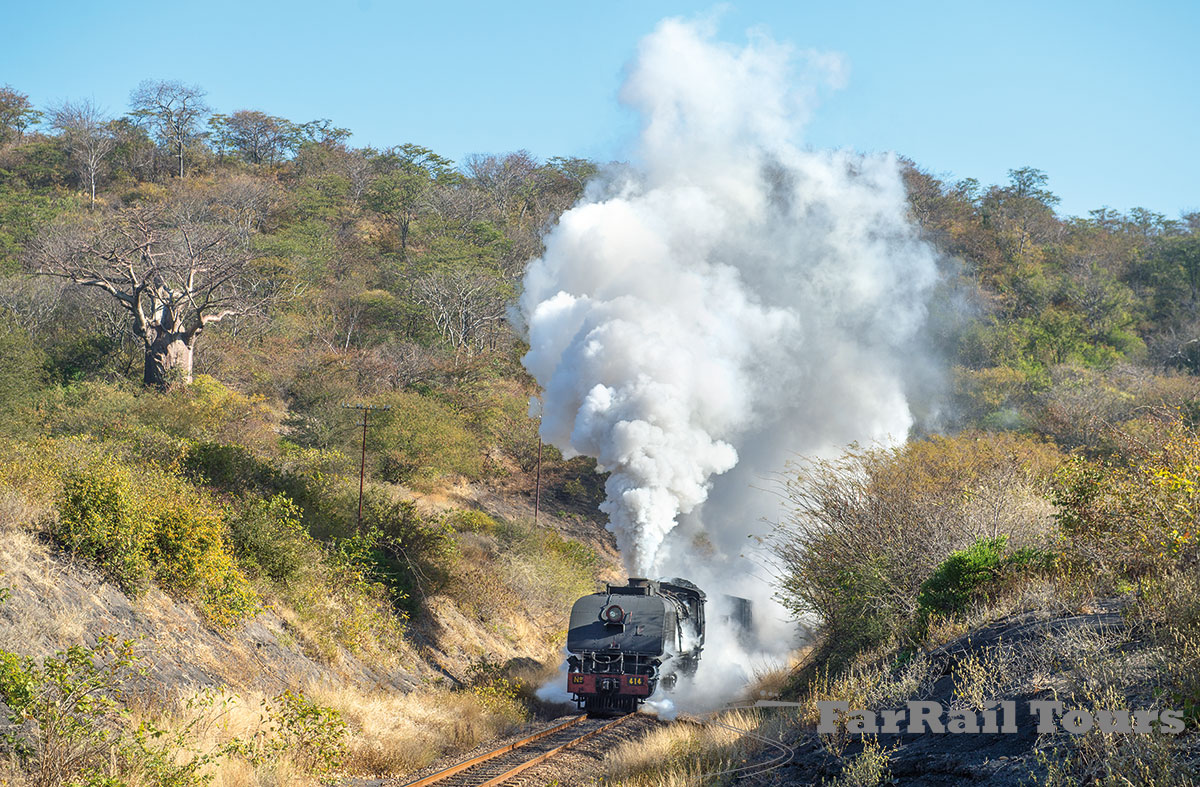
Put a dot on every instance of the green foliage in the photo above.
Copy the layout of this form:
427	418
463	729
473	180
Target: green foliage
962	576
23	214
159	426
21	374
970	574
100	517
313	734
40	164
499	693
422	439
72	698
75	356
229	467
269	538
408	553
151	526
17	114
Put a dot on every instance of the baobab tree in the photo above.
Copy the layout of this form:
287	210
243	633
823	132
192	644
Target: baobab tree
176	265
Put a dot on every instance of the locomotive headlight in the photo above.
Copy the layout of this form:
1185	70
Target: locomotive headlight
613	614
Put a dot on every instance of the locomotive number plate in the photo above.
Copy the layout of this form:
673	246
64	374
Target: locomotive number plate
637	680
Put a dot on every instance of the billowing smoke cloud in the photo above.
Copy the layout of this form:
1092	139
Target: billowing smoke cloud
731	298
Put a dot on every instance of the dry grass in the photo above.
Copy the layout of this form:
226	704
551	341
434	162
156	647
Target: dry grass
31	571
1100	675
398	733
388	733
983	677
875	680
682	753
868	768
19	511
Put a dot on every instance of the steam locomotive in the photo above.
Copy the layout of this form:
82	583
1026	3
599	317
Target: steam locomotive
630	639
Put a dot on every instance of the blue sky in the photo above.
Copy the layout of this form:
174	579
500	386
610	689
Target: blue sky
1103	96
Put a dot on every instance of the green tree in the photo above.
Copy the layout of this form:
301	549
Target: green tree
256	137
16	114
173	110
398	193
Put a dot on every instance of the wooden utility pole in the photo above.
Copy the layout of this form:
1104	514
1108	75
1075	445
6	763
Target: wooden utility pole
366	410
537	484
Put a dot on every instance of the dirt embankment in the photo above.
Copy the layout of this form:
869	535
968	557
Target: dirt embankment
54	603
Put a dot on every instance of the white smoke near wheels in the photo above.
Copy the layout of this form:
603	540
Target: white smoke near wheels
730	300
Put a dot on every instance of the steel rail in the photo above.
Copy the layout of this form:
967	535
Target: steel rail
434	778
502	778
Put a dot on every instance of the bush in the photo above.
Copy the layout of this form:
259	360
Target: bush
72	698
411	555
962	576
969	574
424	440
151	526
313	734
99	516
867	529
270	540
472	521
1135	518
229	467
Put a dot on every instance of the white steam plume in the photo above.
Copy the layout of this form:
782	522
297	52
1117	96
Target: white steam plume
731	298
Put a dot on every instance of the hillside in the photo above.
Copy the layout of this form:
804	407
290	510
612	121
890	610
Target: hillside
191	308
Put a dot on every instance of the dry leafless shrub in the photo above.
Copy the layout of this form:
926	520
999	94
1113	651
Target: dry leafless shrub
866	529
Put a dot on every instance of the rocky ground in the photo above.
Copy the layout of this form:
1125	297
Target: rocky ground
1023	658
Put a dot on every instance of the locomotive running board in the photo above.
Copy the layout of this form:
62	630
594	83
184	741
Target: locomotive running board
462	766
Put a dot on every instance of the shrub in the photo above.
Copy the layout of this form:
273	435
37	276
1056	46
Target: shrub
269	539
472	521
410	555
229	467
313	734
151	525
1136	518
99	516
319	483
425	439
527	568
158	426
72	700
867	529
968	574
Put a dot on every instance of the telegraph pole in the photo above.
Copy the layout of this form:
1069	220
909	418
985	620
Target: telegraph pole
366	410
537	485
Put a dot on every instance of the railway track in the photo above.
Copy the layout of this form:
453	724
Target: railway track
501	765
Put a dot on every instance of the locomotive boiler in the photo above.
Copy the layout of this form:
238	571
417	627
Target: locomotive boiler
629	639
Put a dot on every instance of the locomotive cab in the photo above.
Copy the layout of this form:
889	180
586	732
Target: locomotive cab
627	639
